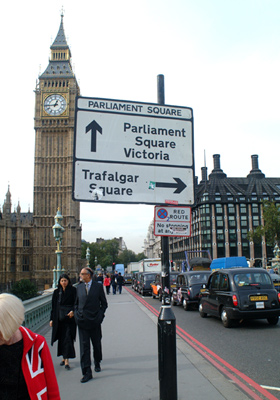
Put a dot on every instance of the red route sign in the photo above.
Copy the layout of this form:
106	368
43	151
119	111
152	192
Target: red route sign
172	221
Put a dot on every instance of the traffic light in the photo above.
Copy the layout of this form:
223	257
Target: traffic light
171	265
114	266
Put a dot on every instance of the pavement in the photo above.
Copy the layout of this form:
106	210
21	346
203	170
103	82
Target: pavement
130	361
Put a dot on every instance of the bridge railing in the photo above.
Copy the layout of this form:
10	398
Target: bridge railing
37	311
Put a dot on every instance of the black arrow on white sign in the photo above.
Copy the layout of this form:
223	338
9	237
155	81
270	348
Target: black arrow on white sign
179	185
93	127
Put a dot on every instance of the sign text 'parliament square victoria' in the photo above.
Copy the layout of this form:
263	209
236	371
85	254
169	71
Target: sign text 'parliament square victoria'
132	152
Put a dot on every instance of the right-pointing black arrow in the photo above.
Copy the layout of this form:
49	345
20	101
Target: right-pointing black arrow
179	185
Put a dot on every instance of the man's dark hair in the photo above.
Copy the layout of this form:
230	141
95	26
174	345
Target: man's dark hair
89	270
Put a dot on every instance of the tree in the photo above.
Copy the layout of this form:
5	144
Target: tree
103	253
271	227
24	289
127	256
140	256
107	252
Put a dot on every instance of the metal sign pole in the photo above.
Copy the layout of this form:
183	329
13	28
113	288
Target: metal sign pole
167	364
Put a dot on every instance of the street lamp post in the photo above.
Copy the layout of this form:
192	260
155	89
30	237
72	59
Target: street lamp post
57	233
276	260
88	256
276	251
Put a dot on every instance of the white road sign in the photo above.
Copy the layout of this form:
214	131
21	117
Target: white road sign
172	221
136	141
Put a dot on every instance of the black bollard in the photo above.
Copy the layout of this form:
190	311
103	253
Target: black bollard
167	364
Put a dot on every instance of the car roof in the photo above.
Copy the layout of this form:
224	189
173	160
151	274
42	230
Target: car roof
275	276
199	271
241	270
148	273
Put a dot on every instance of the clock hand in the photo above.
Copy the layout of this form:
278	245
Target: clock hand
54	104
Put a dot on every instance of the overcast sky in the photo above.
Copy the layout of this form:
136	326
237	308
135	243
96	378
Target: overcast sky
219	57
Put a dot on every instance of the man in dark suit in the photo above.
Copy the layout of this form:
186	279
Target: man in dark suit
89	313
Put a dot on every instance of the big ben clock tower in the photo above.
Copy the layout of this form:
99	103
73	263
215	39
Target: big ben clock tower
56	91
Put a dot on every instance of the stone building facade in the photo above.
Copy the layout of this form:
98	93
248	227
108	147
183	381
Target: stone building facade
225	210
16	241
27	245
152	243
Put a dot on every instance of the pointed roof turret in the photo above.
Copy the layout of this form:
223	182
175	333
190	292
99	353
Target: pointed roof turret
7	207
60	40
18	208
60	61
8	195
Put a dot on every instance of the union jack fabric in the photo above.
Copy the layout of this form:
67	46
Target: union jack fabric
37	367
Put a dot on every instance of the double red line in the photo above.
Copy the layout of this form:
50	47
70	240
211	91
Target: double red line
241	380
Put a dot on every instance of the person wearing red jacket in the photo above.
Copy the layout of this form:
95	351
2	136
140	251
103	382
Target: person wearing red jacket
107	283
26	366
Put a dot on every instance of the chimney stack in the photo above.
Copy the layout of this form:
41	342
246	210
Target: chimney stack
204	175
256	172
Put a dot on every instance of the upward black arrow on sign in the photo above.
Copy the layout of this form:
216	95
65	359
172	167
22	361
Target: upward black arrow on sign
93	127
179	185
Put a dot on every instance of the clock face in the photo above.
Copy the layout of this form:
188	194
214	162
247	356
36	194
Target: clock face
55	104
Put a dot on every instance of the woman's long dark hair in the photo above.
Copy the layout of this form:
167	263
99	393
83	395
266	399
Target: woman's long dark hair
66	277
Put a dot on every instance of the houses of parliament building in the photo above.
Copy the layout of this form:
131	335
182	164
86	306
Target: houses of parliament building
27	245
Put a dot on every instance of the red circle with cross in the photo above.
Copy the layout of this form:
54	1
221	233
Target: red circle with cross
162	213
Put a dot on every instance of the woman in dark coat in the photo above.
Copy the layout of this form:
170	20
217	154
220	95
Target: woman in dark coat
62	322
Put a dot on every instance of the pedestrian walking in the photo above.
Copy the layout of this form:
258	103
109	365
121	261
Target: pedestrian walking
100	278
120	282
26	367
114	283
107	283
62	319
89	313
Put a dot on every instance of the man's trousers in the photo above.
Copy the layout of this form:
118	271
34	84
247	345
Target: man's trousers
86	336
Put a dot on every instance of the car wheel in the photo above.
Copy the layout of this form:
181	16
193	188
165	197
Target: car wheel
173	303
201	312
227	322
272	320
186	305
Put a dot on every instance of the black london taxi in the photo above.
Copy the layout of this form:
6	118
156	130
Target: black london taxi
156	285
187	290
240	294
127	279
276	281
136	281
145	280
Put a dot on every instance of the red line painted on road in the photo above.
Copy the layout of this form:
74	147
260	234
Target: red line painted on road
203	349
147	305
230	367
222	369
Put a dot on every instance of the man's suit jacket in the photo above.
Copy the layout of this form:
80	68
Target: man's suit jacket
90	308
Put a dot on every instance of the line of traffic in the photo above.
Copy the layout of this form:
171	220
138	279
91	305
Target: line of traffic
223	366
